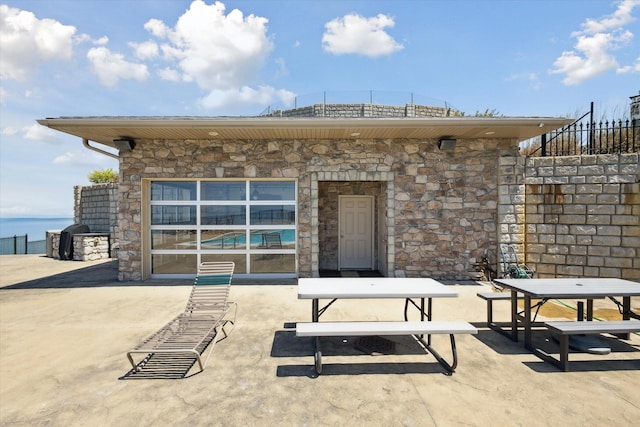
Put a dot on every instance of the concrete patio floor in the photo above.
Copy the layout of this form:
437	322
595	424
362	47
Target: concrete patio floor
65	328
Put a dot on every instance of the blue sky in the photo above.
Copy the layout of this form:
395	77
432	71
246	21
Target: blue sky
182	57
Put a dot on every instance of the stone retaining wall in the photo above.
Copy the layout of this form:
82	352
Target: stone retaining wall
363	110
97	207
583	216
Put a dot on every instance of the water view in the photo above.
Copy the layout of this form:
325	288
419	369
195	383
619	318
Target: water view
35	228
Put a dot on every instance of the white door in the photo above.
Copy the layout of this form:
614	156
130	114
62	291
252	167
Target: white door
356	232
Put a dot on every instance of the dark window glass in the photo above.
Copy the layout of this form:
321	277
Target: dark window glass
272	190
223	239
173	239
239	259
224	191
173	190
273	239
173	215
273	214
223	215
273	263
174	264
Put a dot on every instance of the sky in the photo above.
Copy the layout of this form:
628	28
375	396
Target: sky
204	58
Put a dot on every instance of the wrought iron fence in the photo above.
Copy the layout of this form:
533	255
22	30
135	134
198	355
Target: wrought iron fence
585	136
17	245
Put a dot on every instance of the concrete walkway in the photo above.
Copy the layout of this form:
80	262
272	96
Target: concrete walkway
65	328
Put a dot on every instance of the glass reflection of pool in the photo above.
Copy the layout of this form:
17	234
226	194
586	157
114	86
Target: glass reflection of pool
236	240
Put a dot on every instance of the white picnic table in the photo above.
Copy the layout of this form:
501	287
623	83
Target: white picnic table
579	288
421	289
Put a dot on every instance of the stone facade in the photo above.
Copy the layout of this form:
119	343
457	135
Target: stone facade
97	207
436	210
573	216
86	246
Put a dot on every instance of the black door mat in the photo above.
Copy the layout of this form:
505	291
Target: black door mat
350	273
375	345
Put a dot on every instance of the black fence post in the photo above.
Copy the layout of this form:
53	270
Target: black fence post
592	136
543	145
26	244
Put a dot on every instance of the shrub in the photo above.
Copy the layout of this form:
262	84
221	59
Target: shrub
103	176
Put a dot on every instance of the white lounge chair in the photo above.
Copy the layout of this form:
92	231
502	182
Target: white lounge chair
206	314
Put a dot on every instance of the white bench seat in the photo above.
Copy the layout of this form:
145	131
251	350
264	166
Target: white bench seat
368	328
609	326
325	329
567	328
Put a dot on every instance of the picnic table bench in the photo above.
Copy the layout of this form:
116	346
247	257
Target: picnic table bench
567	328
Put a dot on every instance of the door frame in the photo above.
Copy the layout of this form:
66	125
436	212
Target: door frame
372	263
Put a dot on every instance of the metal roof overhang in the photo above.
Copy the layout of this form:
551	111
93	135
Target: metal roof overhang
105	129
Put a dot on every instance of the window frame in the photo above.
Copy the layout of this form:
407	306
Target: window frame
249	250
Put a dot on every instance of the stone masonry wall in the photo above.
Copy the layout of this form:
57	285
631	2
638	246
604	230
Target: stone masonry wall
444	208
97	207
511	208
583	216
363	110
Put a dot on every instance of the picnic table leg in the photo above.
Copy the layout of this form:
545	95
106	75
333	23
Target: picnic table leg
527	322
626	315
514	315
318	356
449	367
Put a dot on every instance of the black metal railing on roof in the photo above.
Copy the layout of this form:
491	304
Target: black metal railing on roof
586	136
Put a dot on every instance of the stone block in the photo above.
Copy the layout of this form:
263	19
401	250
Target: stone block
599	219
610	230
606	240
570	270
630	231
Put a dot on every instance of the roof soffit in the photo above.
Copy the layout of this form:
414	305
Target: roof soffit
105	129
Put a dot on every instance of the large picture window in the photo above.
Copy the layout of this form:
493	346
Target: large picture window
250	222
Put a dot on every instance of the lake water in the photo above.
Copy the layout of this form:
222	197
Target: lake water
35	228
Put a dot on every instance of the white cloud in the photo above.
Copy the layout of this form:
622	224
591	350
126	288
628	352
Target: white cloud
36	132
214	50
26	41
593	54
79	158
621	17
102	41
635	68
355	34
246	96
112	67
531	78
4	95
157	28
169	74
282	68
8	130
145	50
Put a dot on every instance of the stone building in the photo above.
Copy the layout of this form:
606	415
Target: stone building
635	107
348	187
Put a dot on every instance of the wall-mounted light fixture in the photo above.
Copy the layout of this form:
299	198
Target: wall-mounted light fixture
124	144
446	143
